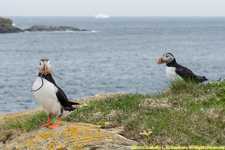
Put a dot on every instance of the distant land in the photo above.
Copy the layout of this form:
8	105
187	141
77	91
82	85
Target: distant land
6	27
53	28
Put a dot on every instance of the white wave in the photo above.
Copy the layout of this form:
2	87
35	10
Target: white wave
102	16
94	31
67	31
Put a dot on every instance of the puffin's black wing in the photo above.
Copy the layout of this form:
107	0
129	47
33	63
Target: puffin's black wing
64	100
73	103
67	105
183	71
188	74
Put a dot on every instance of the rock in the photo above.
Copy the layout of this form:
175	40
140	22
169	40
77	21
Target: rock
5	23
6	26
10	30
175	102
53	28
70	136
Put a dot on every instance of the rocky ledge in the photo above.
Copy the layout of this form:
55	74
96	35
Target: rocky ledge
68	135
53	28
10	30
6	26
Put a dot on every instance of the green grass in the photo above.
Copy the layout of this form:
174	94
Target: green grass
28	124
12	128
190	114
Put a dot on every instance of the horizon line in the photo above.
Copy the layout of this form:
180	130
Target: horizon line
94	16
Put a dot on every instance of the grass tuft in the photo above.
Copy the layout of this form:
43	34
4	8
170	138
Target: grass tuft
16	127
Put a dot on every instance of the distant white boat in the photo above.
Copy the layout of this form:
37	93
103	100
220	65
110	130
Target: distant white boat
102	16
13	24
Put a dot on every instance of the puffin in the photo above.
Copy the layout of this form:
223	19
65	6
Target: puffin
176	71
49	95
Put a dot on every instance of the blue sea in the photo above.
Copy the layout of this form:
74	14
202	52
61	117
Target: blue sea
119	54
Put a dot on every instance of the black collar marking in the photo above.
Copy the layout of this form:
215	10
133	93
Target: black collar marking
172	64
48	77
44	60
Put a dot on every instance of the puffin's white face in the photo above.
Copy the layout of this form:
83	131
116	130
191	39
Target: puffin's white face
166	58
45	66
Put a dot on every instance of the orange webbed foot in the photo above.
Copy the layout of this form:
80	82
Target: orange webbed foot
49	118
53	126
44	125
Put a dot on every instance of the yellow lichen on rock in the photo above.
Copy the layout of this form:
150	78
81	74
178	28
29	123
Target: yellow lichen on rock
4	118
70	136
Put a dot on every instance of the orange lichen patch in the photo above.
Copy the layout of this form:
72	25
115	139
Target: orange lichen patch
30	140
71	129
44	135
54	144
69	136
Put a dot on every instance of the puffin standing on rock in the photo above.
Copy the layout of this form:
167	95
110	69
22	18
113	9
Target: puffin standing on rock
50	96
175	71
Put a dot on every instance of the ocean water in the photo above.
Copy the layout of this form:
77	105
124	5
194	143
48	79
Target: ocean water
119	54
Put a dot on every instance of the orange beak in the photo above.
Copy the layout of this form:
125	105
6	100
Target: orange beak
45	69
161	61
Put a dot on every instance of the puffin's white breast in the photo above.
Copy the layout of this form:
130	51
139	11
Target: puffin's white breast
46	96
171	74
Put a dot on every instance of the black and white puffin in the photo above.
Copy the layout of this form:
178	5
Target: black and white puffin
175	71
49	95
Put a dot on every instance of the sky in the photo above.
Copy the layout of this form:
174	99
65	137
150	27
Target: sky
112	7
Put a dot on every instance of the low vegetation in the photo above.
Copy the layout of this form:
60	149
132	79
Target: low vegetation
188	114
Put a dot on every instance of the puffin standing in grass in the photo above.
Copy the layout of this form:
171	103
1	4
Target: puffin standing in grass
175	71
50	96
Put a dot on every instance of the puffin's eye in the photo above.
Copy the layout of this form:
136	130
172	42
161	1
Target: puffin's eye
166	55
